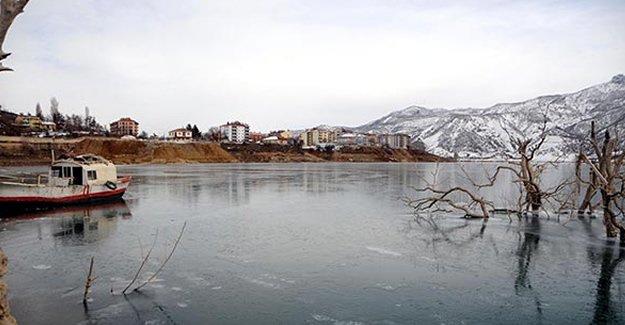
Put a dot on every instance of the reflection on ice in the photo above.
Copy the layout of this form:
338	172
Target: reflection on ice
87	223
383	251
307	243
330	320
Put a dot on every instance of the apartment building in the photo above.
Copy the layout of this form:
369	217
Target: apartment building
236	132
125	126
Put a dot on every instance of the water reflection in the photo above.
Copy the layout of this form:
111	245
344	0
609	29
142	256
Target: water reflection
75	225
604	259
305	244
237	185
529	238
605	310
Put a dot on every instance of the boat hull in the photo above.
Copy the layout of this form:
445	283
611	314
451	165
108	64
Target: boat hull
26	197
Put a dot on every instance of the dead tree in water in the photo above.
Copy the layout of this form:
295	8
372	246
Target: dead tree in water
9	9
88	283
591	188
527	175
442	200
528	172
609	181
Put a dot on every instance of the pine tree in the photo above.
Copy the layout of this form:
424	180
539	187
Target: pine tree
195	132
55	114
38	111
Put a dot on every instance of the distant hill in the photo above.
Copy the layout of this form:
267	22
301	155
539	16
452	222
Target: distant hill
485	132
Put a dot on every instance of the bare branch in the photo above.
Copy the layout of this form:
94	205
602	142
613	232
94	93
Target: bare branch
145	260
9	9
428	203
88	284
166	259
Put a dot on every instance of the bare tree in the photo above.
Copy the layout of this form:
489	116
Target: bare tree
607	166
526	173
591	185
9	9
458	199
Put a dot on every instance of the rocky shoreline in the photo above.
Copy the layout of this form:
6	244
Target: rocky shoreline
17	151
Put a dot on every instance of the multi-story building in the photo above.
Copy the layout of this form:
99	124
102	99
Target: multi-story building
125	126
180	135
353	139
28	121
235	132
395	141
315	136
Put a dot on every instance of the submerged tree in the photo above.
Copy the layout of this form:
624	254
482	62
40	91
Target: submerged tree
452	199
608	180
526	174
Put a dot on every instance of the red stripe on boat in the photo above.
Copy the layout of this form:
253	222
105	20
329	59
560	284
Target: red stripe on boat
62	199
125	179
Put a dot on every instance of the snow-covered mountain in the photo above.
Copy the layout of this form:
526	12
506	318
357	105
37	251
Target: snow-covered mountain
486	132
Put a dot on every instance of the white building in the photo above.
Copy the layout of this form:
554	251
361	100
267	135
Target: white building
235	132
180	135
352	139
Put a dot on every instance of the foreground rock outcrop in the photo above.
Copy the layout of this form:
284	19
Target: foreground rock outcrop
5	311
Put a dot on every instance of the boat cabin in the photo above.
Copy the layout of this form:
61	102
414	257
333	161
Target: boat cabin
82	170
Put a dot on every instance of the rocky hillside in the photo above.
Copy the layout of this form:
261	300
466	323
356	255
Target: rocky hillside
485	132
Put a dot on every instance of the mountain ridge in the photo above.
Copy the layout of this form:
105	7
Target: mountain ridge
486	132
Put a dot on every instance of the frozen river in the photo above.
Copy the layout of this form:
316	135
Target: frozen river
306	244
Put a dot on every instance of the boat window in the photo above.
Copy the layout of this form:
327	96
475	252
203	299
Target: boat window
77	176
56	171
91	175
67	172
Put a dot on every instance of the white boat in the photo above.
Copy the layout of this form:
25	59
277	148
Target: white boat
80	179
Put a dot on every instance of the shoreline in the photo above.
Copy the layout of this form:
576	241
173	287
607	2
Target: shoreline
23	151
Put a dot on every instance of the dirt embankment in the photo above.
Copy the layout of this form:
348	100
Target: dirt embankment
22	151
269	153
277	153
119	151
376	154
135	152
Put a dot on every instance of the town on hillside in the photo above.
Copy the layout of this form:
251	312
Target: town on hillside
57	125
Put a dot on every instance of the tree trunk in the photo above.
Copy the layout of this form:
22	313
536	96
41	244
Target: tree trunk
590	193
608	216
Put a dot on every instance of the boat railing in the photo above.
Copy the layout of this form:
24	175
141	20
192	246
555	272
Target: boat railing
31	179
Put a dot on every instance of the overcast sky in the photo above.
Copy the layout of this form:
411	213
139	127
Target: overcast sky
290	64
